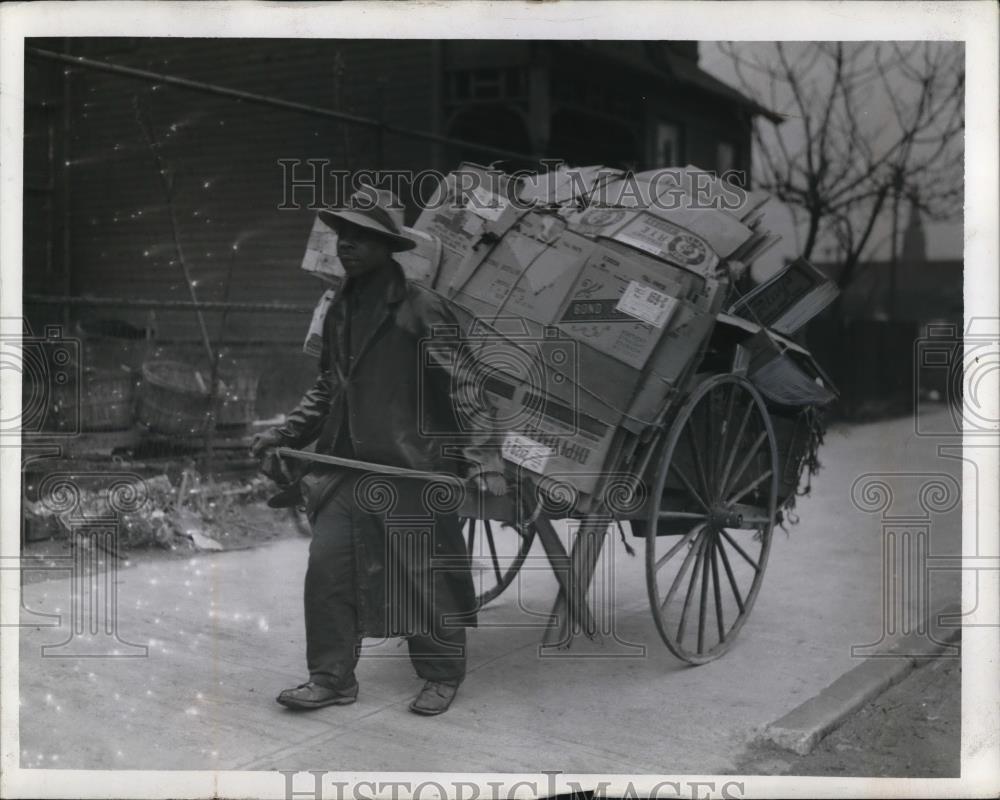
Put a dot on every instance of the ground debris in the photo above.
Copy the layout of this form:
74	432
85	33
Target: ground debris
189	513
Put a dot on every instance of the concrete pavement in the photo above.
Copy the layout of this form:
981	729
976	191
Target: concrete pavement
224	634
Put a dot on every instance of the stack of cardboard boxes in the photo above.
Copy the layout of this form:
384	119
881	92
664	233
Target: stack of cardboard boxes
610	299
588	295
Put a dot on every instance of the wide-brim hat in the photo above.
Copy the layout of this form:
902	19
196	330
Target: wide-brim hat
376	210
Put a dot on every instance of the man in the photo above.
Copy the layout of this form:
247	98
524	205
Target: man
367	575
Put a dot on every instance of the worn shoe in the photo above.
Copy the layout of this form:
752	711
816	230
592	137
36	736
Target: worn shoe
311	695
434	698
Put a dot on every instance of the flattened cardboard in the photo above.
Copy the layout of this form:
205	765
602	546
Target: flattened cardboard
313	345
461	226
549	360
551	438
458	231
564	184
722	231
592	312
527	277
320	259
662	239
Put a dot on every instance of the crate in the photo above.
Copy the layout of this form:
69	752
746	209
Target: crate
174	398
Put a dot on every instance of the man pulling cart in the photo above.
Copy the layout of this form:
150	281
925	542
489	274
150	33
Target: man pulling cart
604	350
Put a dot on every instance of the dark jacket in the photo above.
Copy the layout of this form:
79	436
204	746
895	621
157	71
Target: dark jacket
410	396
406	399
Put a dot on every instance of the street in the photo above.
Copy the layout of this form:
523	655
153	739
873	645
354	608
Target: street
225	634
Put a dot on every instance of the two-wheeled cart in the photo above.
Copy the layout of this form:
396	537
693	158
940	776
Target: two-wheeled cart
708	484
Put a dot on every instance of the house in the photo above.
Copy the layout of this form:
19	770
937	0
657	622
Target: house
130	179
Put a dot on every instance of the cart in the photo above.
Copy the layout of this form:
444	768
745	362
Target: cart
703	479
704	486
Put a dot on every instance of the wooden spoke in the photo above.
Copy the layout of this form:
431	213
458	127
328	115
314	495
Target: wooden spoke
703	600
745	462
696	455
688	485
732	452
691	588
749	487
472	532
674	550
740	550
729	574
727	419
678	579
720	444
506	561
718	592
710	449
493	550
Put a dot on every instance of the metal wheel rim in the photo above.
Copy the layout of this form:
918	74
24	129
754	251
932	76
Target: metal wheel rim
696	535
508	572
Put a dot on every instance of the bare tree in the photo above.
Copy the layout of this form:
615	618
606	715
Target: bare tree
866	124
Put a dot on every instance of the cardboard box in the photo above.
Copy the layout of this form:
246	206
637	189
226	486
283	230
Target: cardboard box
708	218
419	264
589	382
564	184
667	241
529	272
723	233
621	308
789	299
588	363
313	345
550	438
320	257
470	203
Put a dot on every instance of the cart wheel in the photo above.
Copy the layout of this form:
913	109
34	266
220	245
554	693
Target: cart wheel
708	533
500	554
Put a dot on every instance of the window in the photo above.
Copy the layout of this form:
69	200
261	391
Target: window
667	149
488	84
725	157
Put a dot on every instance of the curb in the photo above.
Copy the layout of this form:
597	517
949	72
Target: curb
801	729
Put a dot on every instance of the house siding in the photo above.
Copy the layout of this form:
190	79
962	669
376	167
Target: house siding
223	158
105	229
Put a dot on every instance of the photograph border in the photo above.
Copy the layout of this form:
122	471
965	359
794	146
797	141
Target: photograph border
975	23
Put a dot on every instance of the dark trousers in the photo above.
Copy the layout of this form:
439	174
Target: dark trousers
334	600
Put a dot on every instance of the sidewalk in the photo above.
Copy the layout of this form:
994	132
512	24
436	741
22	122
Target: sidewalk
225	635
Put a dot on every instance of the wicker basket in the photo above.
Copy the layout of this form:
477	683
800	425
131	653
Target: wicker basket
174	398
106	400
108	343
791	432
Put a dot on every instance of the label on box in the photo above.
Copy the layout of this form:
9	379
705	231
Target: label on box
526	452
663	240
597	221
646	303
